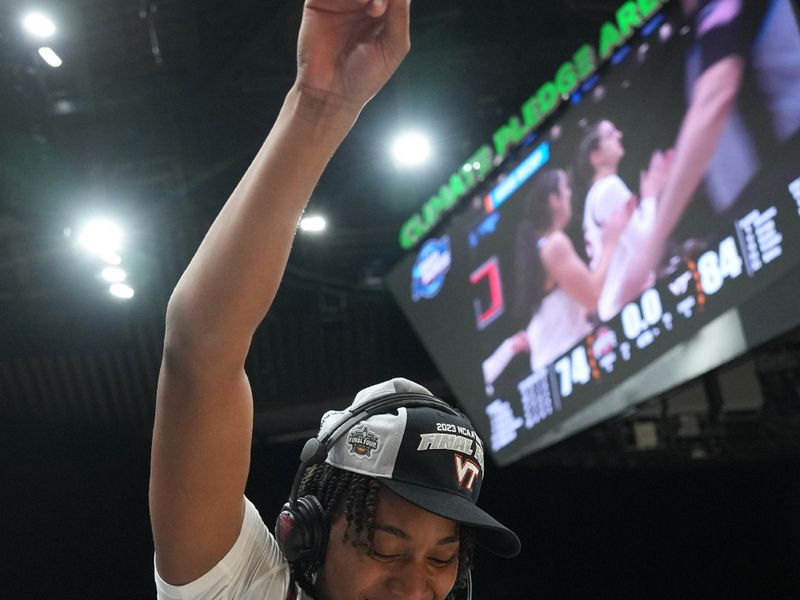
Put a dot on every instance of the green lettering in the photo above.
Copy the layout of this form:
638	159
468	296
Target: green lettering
468	174
478	165
483	156
436	205
530	113
628	19
547	97
566	79
585	60
430	213
457	189
508	134
610	40
411	232
648	7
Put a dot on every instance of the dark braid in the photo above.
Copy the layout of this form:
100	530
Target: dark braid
356	497
466	558
360	511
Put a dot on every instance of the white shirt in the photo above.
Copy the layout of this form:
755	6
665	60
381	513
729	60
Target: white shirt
607	195
558	324
253	569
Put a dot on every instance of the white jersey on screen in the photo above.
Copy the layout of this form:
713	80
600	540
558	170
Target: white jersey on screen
558	324
607	195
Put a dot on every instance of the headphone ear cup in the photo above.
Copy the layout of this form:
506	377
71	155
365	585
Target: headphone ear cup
302	530
285	530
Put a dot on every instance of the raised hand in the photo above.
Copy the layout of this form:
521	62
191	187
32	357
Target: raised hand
653	180
617	221
348	49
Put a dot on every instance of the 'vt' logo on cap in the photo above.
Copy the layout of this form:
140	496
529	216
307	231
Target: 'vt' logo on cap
466	472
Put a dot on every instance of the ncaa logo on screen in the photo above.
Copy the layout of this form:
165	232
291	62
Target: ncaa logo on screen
429	270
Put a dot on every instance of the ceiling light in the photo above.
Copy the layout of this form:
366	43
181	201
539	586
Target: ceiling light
120	290
50	57
38	25
113	274
313	224
411	149
102	237
111	258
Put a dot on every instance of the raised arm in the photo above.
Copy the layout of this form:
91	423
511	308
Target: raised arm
347	49
712	100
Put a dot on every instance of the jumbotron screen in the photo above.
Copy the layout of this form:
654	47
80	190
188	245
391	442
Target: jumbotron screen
645	235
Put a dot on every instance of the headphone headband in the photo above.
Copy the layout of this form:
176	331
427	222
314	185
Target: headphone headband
316	449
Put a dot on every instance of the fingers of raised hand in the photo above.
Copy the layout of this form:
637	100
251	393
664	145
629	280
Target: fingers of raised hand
374	8
656	160
669	155
391	16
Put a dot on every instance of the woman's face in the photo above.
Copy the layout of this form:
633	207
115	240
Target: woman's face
414	556
609	149
561	202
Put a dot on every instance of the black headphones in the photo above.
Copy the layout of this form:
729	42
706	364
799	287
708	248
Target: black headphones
302	526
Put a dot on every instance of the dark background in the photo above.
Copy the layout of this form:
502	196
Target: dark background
159	145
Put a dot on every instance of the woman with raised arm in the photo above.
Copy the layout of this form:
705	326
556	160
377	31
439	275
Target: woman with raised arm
599	157
382	538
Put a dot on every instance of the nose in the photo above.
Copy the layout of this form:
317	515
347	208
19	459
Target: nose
412	583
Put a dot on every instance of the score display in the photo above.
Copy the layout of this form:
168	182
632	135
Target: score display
577	356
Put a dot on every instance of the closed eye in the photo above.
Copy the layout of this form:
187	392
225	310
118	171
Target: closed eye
383	557
442	562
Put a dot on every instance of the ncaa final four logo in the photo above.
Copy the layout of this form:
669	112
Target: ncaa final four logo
362	442
432	264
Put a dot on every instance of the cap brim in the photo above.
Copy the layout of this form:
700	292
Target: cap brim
489	533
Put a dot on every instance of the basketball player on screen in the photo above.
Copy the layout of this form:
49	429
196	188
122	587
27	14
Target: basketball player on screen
383	505
599	155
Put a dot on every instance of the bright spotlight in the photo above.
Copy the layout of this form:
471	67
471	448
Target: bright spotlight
111	258
120	290
102	237
113	274
411	149
50	57
313	224
39	25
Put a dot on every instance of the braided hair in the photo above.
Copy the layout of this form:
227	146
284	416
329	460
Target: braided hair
355	496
